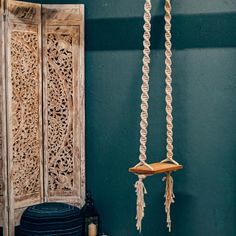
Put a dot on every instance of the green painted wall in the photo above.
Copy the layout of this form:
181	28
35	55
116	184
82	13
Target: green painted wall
204	72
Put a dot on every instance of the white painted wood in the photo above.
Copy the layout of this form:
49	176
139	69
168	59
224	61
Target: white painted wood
3	151
24	110
63	76
41	166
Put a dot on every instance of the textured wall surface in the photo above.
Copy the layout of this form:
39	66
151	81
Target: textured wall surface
204	71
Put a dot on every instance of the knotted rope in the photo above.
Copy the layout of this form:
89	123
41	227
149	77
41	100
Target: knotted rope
145	84
169	197
140	191
168	73
139	185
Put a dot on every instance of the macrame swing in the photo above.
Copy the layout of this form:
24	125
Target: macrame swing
143	169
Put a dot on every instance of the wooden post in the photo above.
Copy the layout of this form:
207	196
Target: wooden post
4	204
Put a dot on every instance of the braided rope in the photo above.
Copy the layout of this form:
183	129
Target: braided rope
139	185
145	84
168	73
169	195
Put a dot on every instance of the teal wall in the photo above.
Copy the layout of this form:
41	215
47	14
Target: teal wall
204	72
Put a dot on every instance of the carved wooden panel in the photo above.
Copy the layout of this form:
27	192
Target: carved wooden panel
24	105
36	168
64	102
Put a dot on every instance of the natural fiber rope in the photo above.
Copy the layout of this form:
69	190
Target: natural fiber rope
169	197
145	82
168	73
140	191
139	185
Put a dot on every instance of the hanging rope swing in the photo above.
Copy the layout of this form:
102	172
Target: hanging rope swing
168	165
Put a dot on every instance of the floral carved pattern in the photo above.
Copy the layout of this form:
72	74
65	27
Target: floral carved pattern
60	111
25	113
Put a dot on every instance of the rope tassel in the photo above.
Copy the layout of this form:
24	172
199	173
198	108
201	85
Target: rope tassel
169	197
140	191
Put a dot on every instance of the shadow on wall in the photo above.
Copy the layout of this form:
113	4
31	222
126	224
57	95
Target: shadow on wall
188	31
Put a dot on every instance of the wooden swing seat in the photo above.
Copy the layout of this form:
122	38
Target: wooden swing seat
158	168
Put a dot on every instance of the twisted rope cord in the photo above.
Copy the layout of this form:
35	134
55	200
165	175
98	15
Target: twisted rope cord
169	195
168	73
145	83
139	185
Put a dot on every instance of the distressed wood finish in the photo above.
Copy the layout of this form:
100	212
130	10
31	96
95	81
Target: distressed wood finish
24	102
1	123
3	155
63	41
36	169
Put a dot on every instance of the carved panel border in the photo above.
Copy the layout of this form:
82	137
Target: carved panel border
30	175
3	157
24	107
64	103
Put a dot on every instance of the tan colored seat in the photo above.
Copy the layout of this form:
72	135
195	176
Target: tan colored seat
158	167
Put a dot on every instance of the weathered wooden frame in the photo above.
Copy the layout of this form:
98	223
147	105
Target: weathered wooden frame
4	218
55	18
69	20
18	22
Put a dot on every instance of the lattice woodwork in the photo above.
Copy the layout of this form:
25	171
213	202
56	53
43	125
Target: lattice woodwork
64	103
24	112
60	104
36	168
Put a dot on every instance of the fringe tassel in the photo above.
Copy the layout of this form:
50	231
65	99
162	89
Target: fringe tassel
169	197
140	191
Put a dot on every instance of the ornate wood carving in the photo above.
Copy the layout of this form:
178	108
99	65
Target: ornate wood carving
64	103
36	168
24	112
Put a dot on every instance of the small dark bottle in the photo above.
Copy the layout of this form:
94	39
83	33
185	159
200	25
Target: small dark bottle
91	217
